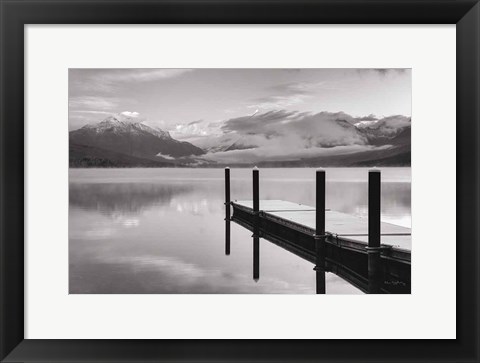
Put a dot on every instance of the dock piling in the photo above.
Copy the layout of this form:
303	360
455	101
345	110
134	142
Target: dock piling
256	197
373	249
320	232
227	211
256	230
227	193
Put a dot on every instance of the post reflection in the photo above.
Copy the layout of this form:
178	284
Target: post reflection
320	280
256	257
227	236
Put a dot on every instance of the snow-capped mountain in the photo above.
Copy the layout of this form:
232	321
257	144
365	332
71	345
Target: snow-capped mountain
133	138
274	137
385	129
286	138
125	125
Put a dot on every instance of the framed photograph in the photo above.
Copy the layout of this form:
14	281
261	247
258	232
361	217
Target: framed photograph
239	181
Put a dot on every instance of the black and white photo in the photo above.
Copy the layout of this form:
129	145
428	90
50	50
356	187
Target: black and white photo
209	181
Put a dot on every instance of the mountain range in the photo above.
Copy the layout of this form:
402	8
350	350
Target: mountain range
268	140
124	142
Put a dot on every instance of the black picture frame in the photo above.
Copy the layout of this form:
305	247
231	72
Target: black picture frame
15	14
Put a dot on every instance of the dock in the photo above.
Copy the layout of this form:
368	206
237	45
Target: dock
373	256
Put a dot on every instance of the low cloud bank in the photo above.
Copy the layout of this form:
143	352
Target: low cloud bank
289	135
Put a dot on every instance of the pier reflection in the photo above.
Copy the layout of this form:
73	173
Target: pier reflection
227	236
320	281
319	272
256	247
256	258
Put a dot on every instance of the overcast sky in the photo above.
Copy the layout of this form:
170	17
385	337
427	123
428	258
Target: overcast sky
196	102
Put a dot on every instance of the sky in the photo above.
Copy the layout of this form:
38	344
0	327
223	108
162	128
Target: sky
178	99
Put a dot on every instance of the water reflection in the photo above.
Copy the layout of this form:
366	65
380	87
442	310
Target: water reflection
123	198
160	231
227	237
256	258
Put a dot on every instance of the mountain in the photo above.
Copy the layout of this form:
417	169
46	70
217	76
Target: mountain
281	138
321	130
133	139
404	137
273	139
338	132
391	135
288	142
382	131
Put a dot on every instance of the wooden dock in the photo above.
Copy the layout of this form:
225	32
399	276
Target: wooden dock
375	257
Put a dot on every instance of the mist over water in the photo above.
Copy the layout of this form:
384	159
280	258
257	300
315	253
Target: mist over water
163	230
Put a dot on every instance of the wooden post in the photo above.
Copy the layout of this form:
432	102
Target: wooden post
256	229
227	211
227	193
320	232
373	249
256	197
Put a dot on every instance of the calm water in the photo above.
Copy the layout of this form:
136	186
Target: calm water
163	230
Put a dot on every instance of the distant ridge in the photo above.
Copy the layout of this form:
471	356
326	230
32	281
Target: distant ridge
82	156
123	142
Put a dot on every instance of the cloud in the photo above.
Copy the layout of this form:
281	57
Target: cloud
276	153
257	123
196	129
91	109
272	102
92	112
130	114
325	129
370	117
283	135
108	80
88	109
92	102
383	71
140	75
286	135
292	88
282	95
288	94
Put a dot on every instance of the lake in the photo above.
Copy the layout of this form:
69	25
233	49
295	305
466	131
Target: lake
162	231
